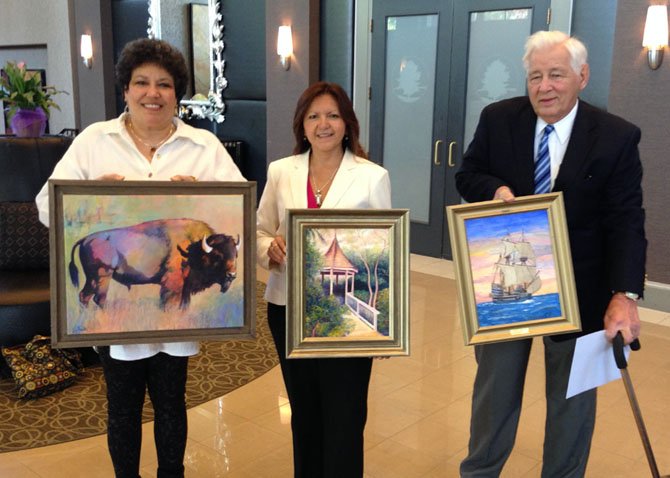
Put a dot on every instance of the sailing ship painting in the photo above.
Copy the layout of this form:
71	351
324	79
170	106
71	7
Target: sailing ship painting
515	274
513	268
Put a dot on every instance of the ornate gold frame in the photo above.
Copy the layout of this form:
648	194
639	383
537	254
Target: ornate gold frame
396	341
472	312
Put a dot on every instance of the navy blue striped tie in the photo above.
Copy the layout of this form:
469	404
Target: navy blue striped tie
543	163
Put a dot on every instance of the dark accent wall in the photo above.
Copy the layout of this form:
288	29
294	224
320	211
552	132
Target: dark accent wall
129	22
245	97
640	95
337	43
593	23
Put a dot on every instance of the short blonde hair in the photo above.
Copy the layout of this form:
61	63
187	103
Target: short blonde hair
545	39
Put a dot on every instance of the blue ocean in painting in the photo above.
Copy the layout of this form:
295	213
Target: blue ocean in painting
503	313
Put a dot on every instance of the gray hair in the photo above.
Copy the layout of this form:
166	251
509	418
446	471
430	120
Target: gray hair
546	39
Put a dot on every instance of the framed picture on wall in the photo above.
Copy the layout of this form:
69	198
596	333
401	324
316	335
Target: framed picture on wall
151	261
348	283
513	269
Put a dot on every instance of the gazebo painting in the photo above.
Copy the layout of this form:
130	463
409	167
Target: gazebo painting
347	283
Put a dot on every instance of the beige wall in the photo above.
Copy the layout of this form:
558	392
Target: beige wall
47	24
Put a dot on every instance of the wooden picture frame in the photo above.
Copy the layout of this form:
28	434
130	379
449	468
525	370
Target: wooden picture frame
329	313
151	261
513	268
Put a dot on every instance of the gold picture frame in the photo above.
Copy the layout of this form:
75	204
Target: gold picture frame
513	266
329	252
151	261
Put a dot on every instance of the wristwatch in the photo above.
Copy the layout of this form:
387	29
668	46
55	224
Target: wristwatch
630	295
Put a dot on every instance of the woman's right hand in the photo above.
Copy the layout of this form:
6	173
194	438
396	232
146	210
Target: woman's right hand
110	177
277	250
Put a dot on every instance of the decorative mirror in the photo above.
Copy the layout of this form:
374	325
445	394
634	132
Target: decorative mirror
211	106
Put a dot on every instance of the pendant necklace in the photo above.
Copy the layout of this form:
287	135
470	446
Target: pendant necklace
317	189
152	147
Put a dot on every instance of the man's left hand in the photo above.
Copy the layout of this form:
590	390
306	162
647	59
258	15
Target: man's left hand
622	315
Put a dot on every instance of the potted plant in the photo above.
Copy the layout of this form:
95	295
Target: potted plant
29	103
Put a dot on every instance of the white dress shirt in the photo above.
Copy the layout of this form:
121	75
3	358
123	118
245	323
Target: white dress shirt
558	142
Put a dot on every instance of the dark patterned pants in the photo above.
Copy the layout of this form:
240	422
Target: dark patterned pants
127	381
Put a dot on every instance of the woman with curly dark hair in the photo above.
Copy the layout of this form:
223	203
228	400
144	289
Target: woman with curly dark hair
146	142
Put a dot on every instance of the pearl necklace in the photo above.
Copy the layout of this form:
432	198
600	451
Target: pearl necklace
317	189
152	147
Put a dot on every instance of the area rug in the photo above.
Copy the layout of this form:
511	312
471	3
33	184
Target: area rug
80	411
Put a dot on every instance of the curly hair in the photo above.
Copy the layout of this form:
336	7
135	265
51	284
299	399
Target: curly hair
151	51
345	107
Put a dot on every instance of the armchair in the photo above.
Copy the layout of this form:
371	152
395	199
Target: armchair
25	165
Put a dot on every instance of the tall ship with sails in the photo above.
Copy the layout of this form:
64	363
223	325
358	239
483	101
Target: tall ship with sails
515	275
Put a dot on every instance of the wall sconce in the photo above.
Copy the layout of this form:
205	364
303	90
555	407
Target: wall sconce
656	34
285	46
86	50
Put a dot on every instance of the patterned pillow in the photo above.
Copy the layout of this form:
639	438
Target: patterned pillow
40	370
24	240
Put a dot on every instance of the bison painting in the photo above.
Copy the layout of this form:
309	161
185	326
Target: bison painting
183	256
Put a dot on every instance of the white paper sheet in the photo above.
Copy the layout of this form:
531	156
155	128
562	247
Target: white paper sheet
593	363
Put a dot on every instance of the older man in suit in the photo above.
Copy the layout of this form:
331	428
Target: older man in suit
553	141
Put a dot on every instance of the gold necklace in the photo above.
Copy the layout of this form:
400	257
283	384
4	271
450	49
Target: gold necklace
317	190
152	147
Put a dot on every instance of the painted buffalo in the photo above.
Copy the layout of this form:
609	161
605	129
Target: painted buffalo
183	256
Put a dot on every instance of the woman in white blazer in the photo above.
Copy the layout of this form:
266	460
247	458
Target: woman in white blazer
328	169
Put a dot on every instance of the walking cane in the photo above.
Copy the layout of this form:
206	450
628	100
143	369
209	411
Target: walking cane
621	363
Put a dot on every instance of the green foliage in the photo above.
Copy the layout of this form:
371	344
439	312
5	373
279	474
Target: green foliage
324	314
23	89
313	259
383	308
361	279
362	295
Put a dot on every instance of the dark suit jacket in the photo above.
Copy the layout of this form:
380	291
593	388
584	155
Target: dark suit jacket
600	178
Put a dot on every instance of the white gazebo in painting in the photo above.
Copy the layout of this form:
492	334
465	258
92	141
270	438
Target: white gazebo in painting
337	264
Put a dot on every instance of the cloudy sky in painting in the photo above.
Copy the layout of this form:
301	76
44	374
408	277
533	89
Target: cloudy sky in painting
484	235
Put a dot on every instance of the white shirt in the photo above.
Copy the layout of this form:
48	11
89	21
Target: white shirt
107	148
558	141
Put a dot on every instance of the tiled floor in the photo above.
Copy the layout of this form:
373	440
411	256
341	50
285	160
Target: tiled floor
419	412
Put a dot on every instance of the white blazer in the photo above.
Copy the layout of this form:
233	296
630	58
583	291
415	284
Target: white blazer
358	184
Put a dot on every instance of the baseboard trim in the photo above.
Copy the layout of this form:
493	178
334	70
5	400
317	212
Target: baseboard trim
656	296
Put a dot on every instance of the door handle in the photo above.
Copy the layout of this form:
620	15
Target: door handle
436	159
451	154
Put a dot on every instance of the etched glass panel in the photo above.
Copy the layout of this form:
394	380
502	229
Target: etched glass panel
411	47
495	71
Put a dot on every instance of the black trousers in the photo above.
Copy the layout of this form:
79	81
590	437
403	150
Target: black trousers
127	381
328	408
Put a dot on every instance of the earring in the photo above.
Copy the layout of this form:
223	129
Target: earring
126	109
